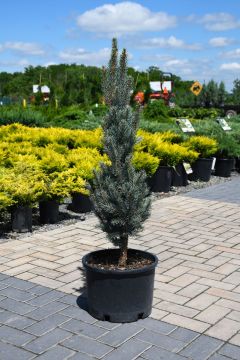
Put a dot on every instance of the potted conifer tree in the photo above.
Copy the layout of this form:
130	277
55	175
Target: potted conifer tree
119	280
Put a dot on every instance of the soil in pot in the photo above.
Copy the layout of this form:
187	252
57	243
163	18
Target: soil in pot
21	218
223	167
49	211
119	295
80	203
202	169
179	176
162	179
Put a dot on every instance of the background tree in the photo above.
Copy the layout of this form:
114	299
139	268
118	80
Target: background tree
120	194
236	91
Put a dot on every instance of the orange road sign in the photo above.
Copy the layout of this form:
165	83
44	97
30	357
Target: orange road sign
196	88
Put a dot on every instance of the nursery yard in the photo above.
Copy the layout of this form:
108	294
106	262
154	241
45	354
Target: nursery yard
196	312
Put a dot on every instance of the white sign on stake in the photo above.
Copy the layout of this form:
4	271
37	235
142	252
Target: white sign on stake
185	125
224	125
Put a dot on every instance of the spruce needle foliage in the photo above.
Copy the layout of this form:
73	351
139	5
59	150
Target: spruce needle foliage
119	192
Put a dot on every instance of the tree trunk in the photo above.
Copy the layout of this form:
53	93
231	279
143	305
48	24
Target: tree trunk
122	262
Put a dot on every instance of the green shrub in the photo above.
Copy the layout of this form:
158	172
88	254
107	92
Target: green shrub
156	110
228	147
25	116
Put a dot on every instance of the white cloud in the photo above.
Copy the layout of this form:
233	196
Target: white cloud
232	54
220	41
230	66
124	18
171	42
219	22
18	64
82	56
23	48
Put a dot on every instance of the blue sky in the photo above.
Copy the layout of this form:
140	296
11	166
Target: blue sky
197	40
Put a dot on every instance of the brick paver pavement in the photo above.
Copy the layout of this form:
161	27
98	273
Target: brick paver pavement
196	313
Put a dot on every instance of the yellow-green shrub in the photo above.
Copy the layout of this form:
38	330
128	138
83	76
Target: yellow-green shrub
171	154
54	187
74	182
205	146
145	161
5	201
21	184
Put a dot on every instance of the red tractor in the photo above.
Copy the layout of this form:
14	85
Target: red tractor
159	90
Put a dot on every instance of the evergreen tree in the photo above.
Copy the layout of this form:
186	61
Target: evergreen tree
221	93
120	193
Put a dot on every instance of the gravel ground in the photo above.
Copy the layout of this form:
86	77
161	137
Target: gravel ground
68	217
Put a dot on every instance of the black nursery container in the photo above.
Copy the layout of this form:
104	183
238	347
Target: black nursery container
80	203
202	169
179	176
49	211
21	218
223	167
161	181
237	164
120	295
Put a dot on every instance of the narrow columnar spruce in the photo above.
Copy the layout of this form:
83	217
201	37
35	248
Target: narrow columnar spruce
120	194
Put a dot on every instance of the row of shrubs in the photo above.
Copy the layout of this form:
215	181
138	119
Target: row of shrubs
50	164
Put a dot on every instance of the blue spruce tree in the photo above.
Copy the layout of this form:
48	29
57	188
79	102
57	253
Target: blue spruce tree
120	194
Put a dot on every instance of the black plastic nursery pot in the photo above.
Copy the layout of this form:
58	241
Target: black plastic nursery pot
202	169
21	218
119	295
161	181
49	211
237	164
223	167
179	176
80	203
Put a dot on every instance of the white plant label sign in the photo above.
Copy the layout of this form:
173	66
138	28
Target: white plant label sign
224	125
185	125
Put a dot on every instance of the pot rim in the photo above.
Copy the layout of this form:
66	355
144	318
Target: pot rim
117	271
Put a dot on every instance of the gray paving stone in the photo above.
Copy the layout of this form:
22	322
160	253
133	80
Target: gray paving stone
47	310
46	298
56	353
87	346
119	335
82	328
219	357
130	350
16	294
81	356
17	321
157	325
3	277
47	324
69	299
14	336
3	285
43	343
10	352
39	290
230	350
16	306
201	348
77	313
184	335
164	341
18	283
155	353
106	325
